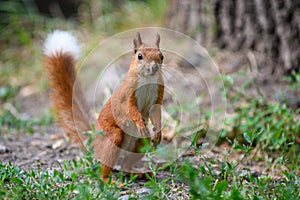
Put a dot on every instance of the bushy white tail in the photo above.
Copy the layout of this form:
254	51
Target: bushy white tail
61	42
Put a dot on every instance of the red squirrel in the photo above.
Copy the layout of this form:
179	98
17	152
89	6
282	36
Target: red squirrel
124	117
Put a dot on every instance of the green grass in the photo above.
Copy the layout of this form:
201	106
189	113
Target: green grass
272	126
206	184
80	179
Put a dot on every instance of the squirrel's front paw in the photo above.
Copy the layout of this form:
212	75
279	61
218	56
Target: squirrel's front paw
144	131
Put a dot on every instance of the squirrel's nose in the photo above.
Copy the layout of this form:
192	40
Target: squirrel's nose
154	68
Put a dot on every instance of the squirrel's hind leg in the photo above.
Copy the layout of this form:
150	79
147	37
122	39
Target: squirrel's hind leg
107	149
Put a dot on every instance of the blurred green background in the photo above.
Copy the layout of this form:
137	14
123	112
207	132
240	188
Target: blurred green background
24	25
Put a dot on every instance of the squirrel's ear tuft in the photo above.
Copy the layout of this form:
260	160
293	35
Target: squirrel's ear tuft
157	40
137	41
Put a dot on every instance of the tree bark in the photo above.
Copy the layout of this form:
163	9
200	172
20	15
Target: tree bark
270	29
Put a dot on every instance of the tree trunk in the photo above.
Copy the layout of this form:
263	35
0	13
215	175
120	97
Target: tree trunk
269	29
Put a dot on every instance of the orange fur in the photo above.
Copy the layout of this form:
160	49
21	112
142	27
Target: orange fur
124	117
61	73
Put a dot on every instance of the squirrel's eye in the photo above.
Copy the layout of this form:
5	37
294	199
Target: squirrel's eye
140	56
162	58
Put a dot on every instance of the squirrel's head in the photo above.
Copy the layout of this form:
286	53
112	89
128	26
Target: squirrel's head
147	58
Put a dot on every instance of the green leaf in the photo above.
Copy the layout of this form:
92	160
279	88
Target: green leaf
238	147
223	133
247	138
16	180
222	186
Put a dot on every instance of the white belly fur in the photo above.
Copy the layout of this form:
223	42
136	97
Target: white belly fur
146	94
